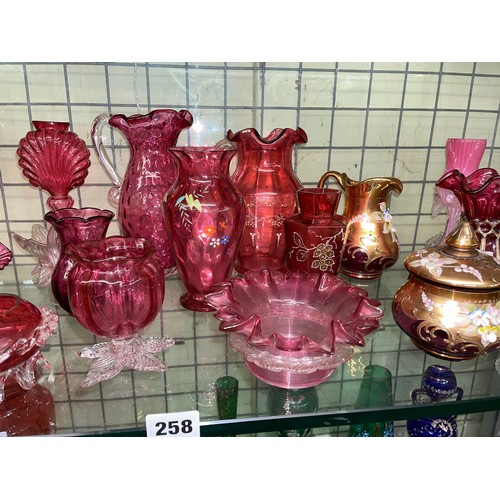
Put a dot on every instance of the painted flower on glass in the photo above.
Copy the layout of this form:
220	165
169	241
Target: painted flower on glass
224	240
215	242
323	255
209	230
385	216
482	321
433	263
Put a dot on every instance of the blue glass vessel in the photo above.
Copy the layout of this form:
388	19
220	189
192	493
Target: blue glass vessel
439	384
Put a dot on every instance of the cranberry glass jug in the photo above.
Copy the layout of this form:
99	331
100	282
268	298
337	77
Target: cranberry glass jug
150	173
204	217
265	179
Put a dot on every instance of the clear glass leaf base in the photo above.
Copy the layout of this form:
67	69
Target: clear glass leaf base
136	353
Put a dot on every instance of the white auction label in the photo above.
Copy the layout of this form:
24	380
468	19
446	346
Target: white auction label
3	434
182	424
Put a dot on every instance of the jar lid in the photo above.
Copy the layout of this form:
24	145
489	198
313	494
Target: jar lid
458	263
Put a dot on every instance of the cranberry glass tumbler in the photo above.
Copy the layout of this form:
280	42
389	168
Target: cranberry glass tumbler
265	179
116	289
204	216
315	237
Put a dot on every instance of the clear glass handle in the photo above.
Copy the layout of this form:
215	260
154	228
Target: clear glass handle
96	132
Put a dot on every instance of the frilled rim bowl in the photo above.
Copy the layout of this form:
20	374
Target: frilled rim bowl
24	328
295	314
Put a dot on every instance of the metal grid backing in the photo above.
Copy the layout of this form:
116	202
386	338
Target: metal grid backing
365	119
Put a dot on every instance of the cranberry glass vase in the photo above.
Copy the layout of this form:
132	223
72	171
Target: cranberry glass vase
465	156
265	178
315	237
74	226
55	160
150	173
116	289
479	197
204	217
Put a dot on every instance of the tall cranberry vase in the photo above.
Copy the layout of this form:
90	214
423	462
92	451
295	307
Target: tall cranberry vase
151	171
204	216
265	178
315	237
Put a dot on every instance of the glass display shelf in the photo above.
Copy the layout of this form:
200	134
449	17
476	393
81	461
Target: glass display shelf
118	407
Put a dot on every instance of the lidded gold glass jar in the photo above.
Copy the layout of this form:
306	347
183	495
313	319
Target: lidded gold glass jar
450	304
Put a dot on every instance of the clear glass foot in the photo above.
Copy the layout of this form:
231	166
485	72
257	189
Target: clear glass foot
23	373
136	353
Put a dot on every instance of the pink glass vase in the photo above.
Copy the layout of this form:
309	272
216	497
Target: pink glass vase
204	217
74	226
479	197
116	289
24	329
55	160
150	173
293	330
465	156
315	237
265	178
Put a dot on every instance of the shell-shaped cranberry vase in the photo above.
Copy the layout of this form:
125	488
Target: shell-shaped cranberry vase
54	159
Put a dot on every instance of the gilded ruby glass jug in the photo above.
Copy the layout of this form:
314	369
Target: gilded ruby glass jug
74	226
150	173
371	243
204	217
315	237
116	289
265	178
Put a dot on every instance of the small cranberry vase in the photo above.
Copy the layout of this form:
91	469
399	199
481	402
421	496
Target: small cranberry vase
265	179
479	197
204	216
116	289
74	226
315	237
